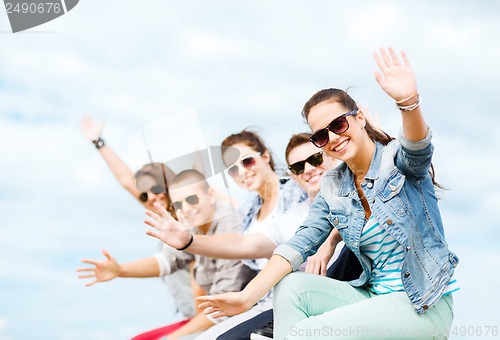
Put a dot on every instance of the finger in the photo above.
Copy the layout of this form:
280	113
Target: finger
90	262
85	269
154	224
161	210
406	61
380	78
218	315
153	234
105	253
394	56
153	215
323	270
380	63
317	268
387	59
86	276
90	283
205	298
205	305
308	267
182	220
210	310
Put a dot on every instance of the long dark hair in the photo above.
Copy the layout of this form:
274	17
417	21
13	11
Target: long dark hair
341	97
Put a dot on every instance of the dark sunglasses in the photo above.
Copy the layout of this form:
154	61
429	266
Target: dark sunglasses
315	160
338	126
246	162
157	189
193	200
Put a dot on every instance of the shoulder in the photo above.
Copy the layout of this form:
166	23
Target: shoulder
332	178
228	219
290	191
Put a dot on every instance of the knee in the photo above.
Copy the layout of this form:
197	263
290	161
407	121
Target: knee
291	286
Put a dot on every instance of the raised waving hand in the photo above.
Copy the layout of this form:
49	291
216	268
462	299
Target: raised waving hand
395	76
91	130
168	230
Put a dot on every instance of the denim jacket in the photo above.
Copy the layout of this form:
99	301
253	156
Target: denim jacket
400	192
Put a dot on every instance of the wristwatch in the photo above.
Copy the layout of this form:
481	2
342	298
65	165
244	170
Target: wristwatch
99	143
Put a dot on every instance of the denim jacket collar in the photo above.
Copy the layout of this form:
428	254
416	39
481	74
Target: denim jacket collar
346	187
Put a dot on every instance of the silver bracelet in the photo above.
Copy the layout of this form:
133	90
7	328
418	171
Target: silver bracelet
411	107
403	100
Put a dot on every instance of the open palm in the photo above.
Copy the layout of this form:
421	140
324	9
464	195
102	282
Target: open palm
226	304
396	79
102	270
174	233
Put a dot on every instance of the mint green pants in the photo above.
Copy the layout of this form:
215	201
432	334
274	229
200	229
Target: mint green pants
310	306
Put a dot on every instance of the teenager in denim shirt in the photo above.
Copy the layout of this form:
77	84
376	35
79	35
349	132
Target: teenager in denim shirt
382	201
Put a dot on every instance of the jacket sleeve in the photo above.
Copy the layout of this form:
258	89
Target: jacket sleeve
414	158
171	260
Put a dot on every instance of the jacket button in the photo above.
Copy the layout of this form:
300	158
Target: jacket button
425	307
372	200
389	222
369	185
408	248
336	221
393	187
407	274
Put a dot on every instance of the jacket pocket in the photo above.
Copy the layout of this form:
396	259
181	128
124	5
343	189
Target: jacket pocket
338	220
392	185
391	193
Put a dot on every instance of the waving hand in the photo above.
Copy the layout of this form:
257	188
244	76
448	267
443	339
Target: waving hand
395	77
168	230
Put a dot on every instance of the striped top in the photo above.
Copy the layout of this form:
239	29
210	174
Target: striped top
387	257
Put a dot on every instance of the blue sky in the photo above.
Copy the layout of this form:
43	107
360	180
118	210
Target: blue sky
237	64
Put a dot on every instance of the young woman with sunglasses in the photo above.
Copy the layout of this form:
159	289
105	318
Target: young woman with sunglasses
382	201
147	186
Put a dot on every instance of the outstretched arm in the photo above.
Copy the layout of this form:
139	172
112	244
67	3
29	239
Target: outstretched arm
109	269
233	303
397	79
121	171
224	246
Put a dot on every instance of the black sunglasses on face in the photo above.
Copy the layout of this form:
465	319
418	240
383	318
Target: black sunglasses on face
157	189
338	126
246	162
192	200
315	160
